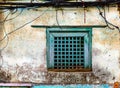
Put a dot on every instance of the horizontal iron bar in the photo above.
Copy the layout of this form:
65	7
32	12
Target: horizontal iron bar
64	2
66	26
55	4
11	7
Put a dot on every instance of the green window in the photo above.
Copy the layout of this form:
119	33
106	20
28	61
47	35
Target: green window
69	49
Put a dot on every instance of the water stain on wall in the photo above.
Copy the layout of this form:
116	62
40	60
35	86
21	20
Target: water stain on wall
119	61
103	74
4	76
96	51
27	73
99	75
31	72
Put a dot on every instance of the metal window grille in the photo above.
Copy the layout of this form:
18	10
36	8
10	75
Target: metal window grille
68	50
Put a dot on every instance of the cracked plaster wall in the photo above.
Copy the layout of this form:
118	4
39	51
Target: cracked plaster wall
24	58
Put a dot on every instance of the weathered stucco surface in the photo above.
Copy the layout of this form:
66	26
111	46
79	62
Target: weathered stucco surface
4	75
24	58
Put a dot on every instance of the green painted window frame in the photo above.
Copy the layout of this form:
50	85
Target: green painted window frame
86	32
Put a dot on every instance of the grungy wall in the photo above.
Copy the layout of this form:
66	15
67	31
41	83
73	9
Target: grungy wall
24	58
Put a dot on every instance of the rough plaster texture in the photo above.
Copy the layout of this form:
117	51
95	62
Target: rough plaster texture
24	58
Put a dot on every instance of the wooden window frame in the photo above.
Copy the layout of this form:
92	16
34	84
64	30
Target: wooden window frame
51	32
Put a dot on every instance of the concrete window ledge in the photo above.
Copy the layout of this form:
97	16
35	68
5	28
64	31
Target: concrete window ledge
15	84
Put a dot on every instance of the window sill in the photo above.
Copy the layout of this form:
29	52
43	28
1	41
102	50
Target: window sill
70	70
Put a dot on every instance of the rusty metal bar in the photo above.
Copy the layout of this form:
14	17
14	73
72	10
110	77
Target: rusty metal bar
8	5
67	26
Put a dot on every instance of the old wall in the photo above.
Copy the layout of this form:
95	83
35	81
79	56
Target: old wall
24	58
4	76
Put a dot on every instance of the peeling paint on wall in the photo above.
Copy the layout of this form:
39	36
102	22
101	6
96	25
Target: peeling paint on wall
25	56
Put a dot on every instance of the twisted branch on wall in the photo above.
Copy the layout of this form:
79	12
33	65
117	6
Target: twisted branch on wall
107	22
57	21
13	12
6	34
3	11
9	20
